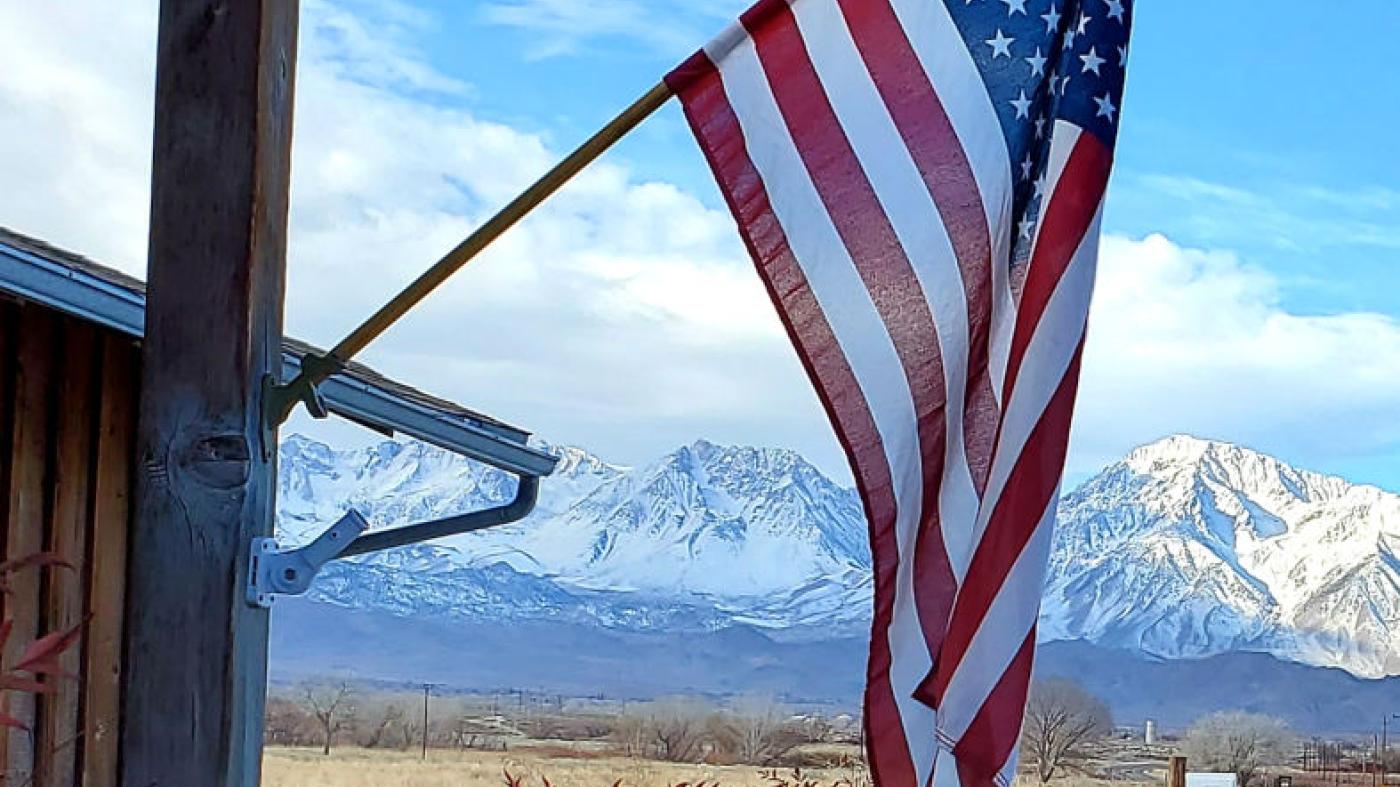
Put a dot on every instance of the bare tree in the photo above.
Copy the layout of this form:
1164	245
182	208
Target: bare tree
759	737
333	705
286	723
375	734
1060	718
1237	742
678	727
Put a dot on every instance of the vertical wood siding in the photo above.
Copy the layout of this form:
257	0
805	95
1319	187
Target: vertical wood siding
67	420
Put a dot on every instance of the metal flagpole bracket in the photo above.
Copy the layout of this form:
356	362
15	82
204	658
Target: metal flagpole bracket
279	399
274	571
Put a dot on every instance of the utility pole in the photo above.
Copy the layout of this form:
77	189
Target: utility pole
1385	746
195	677
427	688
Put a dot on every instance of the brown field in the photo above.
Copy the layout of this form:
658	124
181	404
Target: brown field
563	767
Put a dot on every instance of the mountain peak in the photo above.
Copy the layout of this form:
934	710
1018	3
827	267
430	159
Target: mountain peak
1186	449
1186	459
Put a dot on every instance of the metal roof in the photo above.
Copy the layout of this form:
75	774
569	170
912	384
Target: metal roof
35	271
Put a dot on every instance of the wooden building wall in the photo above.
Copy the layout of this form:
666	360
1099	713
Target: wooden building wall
68	396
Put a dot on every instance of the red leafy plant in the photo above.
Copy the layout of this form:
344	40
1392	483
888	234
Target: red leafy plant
38	669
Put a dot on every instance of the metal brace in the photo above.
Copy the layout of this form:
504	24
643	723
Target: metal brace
279	399
275	571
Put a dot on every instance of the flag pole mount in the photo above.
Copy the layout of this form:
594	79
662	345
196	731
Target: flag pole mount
281	398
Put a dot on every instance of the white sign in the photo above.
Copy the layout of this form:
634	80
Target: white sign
1202	779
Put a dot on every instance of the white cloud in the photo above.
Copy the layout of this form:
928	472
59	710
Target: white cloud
623	316
1189	340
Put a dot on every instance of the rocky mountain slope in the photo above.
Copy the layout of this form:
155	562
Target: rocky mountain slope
1185	549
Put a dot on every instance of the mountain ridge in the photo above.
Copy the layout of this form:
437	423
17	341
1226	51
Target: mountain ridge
1185	548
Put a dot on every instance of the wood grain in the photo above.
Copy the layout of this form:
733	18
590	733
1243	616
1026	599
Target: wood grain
195	673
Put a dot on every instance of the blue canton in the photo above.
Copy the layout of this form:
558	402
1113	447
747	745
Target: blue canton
1042	61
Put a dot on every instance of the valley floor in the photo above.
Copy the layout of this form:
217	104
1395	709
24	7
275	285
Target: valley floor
355	767
565	767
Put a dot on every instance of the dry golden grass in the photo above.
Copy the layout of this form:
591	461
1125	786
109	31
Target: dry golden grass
353	767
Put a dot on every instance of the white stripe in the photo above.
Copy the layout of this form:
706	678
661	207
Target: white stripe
1003	631
951	70
1017	603
1064	136
1008	771
731	36
1033	391
905	198
866	344
945	772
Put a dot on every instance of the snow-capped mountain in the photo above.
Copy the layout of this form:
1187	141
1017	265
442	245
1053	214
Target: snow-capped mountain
1190	548
1186	548
705	537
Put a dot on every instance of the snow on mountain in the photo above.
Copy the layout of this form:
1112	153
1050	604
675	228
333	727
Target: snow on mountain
1186	548
725	522
704	537
1190	548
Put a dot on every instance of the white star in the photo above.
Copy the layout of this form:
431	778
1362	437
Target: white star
1069	39
1012	6
1123	57
1001	45
1024	226
1084	20
1115	10
1022	104
1040	127
1092	61
1106	108
1040	186
1052	19
1037	62
1026	167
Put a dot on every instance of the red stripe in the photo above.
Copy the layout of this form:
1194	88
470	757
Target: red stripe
884	268
1033	479
987	745
1030	490
715	126
938	154
1072	207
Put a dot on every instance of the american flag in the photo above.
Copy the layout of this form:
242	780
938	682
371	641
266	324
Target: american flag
920	184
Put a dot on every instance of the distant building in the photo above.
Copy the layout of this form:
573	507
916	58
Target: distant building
1149	732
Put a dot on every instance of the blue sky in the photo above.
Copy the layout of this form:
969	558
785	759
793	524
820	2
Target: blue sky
1246	284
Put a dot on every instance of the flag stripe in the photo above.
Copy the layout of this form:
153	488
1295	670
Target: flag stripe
717	129
990	739
1060	327
948	65
888	163
1071	210
1020	412
906	202
938	155
865	228
978	653
866	343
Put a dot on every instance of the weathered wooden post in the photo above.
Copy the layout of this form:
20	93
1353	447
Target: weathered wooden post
1176	771
196	653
